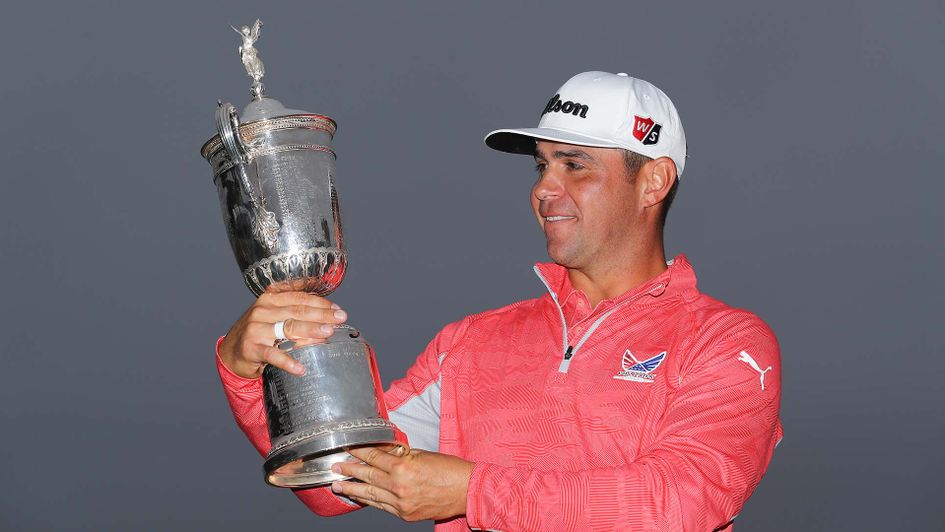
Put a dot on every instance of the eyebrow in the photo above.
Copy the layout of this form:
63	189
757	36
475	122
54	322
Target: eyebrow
573	154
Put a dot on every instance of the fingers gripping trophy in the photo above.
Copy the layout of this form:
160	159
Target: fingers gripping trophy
274	170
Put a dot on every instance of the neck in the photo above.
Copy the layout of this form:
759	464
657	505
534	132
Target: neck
609	279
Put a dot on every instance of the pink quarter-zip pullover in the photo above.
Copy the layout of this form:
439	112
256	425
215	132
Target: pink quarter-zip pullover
656	410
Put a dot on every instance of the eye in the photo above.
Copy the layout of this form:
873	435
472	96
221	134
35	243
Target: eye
540	168
574	166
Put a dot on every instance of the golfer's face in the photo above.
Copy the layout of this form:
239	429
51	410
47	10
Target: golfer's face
584	202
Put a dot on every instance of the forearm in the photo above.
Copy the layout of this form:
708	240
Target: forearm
515	499
657	492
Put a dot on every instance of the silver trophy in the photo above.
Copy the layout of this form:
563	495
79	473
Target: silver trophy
274	170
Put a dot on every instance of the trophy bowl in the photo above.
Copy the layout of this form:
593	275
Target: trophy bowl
275	180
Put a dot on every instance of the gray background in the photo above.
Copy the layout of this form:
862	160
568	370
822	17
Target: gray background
812	197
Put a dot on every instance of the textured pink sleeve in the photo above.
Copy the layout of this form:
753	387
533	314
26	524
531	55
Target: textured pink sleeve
714	443
246	401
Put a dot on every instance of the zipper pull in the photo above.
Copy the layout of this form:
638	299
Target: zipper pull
566	361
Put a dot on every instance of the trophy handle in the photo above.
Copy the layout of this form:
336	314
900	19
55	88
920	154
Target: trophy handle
228	126
264	223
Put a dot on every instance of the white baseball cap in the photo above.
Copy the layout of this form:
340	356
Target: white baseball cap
604	110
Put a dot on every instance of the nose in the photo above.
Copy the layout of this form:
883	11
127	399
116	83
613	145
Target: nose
548	186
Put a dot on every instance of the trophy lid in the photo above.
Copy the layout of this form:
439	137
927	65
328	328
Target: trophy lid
263	107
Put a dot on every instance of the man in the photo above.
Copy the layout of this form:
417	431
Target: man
621	399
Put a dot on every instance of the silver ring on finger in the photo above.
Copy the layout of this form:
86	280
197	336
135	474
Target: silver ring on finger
278	329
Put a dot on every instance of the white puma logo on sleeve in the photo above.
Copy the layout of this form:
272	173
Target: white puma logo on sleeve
745	357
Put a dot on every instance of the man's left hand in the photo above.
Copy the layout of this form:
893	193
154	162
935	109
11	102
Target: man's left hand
419	485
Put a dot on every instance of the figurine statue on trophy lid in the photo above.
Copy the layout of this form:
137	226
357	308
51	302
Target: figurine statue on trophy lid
251	61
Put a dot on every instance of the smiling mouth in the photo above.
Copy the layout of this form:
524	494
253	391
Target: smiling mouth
558	218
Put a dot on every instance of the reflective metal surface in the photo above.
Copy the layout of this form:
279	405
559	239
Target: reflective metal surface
274	169
337	404
248	55
275	179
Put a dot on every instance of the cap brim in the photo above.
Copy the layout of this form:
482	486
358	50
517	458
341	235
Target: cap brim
523	140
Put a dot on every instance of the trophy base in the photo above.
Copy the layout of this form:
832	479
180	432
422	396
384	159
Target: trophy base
315	418
307	463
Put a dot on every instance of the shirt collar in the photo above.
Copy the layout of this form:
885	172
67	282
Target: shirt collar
677	278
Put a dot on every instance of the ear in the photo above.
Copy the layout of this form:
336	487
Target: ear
658	177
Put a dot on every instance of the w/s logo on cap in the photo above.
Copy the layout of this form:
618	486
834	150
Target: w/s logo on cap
646	130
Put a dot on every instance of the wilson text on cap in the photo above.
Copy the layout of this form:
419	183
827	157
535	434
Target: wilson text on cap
555	105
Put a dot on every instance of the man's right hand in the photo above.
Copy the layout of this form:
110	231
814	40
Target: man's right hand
248	346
